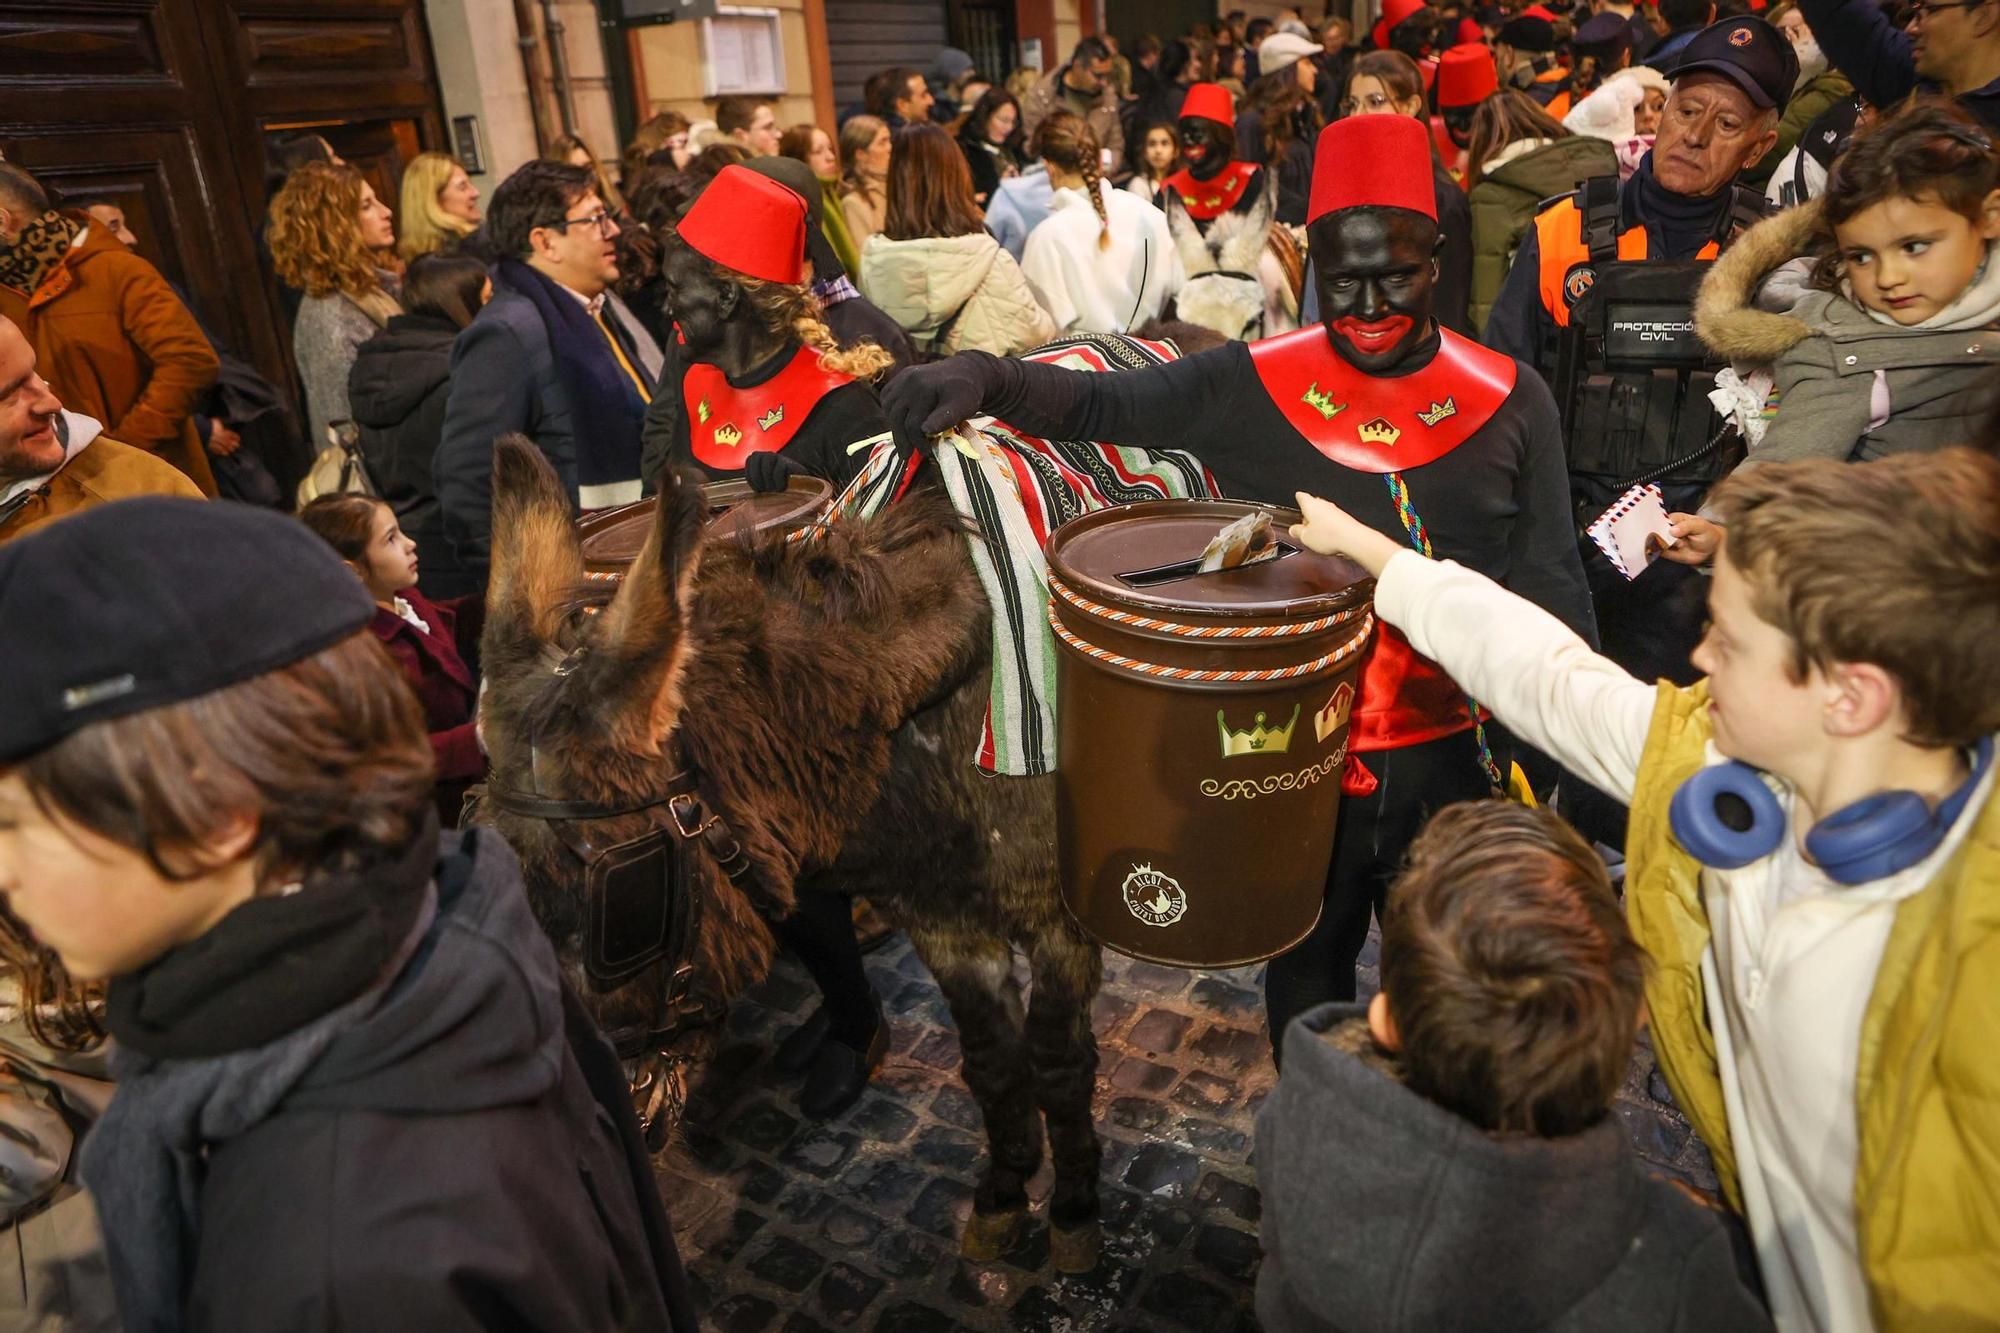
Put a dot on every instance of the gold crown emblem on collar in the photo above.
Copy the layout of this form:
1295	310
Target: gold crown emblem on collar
727	434
1378	431
1259	739
1438	412
772	417
1322	402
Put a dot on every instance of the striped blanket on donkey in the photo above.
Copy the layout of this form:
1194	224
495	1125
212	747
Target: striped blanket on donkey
1019	488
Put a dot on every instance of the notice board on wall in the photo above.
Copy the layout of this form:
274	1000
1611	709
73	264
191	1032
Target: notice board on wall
742	51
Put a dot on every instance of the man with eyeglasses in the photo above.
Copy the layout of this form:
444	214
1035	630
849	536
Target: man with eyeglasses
554	356
1948	46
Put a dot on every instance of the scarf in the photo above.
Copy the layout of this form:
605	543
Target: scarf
1977	307
833	222
1685	222
606	410
342	940
27	263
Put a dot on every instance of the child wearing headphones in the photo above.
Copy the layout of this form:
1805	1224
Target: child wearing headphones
1814	857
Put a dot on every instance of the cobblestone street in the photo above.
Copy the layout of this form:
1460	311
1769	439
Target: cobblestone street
852	1225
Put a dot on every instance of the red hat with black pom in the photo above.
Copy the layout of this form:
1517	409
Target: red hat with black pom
1373	162
1466	77
1209	101
751	225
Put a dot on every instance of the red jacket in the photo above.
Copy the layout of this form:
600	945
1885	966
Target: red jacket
436	670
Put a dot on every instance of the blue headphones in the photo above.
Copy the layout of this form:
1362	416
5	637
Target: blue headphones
1726	817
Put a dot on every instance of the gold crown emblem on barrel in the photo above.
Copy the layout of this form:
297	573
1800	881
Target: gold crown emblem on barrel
1259	739
1378	431
1334	716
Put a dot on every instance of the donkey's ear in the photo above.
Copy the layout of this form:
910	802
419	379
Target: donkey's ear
1195	259
536	561
642	643
1246	246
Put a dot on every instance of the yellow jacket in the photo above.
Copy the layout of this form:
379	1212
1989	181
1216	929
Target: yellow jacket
1927	1096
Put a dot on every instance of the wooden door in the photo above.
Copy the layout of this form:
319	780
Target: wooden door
164	106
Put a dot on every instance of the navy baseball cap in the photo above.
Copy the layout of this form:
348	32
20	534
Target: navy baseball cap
1749	53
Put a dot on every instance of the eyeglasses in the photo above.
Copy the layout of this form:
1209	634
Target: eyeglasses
1923	10
1374	104
602	220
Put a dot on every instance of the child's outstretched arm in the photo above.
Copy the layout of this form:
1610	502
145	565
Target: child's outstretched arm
1533	671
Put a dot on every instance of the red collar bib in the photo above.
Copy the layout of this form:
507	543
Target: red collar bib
1387	424
1210	199
727	424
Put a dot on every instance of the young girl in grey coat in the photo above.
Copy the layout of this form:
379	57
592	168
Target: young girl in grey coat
1891	346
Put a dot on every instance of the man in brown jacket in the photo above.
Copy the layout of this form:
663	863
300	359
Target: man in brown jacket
1083	86
112	337
52	462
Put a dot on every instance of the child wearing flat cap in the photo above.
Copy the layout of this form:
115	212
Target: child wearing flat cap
352	1089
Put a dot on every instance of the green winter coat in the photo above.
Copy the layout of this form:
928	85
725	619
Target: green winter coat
1820	92
1506	200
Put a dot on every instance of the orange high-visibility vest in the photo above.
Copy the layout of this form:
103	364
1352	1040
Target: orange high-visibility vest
1566	273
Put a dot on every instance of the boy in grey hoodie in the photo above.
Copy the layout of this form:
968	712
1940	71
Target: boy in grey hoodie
1444	1157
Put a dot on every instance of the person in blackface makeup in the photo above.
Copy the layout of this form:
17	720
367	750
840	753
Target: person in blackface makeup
1434	440
1211	181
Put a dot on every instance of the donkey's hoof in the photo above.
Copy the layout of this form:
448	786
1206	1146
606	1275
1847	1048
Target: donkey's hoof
1074	1249
990	1235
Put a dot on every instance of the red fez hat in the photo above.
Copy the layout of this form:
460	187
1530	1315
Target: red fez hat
1466	77
1393	12
1373	162
1470	32
750	224
1209	101
1537	12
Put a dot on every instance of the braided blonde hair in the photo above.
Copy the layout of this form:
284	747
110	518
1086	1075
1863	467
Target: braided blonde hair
1066	140
792	308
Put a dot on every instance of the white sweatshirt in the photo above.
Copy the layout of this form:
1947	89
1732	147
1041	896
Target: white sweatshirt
1792	956
1112	290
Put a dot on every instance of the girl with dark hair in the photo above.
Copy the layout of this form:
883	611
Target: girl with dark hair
1157	155
432	642
397	391
991	142
935	269
1892	348
1388	83
1102	261
1519	155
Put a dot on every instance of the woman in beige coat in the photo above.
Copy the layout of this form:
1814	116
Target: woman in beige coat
935	270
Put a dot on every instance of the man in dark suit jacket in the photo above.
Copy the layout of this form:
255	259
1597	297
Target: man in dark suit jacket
553	356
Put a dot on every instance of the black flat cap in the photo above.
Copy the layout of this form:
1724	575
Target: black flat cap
138	603
1528	33
1747	51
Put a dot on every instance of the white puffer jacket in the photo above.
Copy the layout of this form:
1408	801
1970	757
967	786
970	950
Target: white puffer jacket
922	284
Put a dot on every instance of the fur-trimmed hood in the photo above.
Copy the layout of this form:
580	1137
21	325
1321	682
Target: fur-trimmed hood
1726	316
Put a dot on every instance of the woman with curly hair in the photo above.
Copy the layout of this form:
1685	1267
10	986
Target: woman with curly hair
326	225
440	205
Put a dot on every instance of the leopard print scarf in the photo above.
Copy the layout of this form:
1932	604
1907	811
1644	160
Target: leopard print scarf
43	243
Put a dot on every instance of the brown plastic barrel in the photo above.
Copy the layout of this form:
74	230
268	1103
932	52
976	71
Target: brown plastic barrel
1202	733
612	538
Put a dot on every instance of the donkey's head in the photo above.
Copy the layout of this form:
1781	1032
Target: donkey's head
1223	291
583	708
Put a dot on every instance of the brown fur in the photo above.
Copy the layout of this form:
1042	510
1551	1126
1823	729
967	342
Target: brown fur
831	693
1725	313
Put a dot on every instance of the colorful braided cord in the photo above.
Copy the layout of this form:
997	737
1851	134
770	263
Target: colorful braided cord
1420	538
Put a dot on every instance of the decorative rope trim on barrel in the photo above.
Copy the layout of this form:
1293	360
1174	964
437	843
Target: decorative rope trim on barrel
1103	612
1110	658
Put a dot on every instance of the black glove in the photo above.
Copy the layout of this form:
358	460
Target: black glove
767	471
921	401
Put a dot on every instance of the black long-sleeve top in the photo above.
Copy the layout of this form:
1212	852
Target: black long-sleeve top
1498	503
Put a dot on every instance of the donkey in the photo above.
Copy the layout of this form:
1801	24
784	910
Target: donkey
829	694
1236	284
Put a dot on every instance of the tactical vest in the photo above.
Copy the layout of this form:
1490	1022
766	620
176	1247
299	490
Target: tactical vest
1629	375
